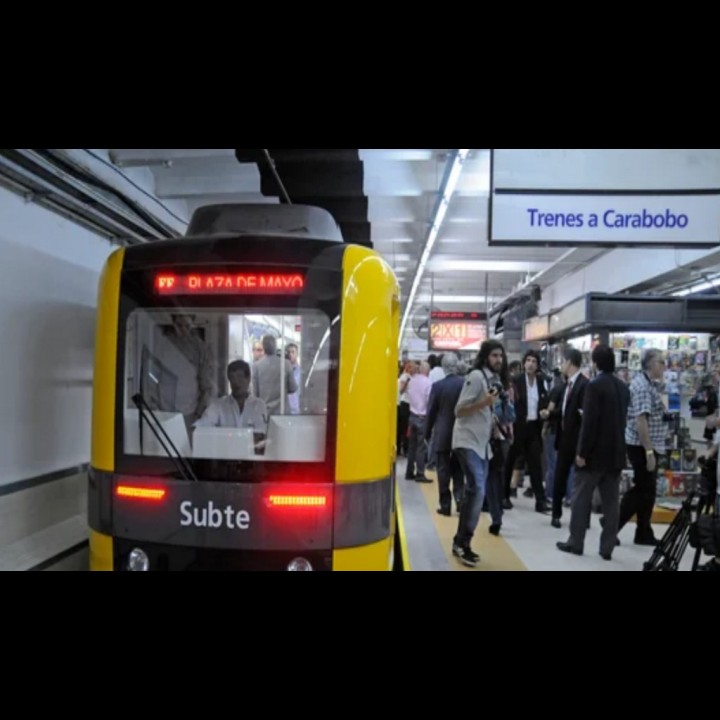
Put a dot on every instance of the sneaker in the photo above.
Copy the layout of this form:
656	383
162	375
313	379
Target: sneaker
468	557
461	552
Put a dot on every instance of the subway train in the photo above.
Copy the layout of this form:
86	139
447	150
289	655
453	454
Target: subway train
244	399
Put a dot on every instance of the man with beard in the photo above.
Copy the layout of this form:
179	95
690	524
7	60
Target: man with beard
471	441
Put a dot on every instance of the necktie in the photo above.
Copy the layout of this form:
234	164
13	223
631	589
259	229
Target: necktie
567	396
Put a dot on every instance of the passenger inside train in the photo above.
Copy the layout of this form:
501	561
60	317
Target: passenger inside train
251	405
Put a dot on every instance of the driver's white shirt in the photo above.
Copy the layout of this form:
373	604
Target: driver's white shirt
225	412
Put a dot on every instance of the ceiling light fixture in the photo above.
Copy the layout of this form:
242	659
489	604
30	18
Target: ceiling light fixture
456	160
512	266
699	287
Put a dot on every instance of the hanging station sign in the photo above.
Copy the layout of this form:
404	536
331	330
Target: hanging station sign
605	198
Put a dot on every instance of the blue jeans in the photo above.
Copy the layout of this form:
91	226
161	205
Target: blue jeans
550	461
475	469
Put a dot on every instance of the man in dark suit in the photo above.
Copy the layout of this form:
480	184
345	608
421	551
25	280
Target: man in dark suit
568	416
530	397
600	456
444	396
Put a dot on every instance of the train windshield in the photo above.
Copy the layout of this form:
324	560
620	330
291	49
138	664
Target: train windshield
228	385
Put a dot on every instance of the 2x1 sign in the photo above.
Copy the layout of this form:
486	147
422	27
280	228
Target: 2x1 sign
623	219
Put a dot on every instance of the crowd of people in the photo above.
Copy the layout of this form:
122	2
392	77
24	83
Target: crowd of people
573	432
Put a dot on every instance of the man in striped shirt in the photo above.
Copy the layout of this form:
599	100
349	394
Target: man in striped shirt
645	440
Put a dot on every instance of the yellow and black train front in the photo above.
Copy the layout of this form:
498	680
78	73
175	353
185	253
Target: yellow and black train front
244	406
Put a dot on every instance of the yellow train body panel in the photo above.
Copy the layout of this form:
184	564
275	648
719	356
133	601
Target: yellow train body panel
101	552
378	556
102	456
367	402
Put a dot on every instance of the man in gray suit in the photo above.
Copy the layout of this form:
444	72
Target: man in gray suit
444	396
601	455
268	377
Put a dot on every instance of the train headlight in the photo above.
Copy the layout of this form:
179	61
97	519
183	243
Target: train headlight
300	565
138	561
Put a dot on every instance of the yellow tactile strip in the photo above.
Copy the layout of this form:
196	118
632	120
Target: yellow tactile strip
495	552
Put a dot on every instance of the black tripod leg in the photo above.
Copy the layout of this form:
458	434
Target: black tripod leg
668	553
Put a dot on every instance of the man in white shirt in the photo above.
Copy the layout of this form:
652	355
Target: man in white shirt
418	391
530	396
239	409
436	373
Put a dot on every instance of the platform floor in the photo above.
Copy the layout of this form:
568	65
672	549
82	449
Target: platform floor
527	540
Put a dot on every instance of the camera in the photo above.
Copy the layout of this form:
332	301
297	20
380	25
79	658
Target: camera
499	390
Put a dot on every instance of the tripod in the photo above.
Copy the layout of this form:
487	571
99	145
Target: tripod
671	548
669	551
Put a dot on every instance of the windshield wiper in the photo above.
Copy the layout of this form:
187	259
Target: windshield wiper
181	463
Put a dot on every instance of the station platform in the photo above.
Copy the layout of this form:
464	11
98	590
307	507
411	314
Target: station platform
526	541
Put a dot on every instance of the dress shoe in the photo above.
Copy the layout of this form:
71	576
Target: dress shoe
422	479
507	505
542	507
494	530
529	493
447	513
605	556
568	548
649	542
555	522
